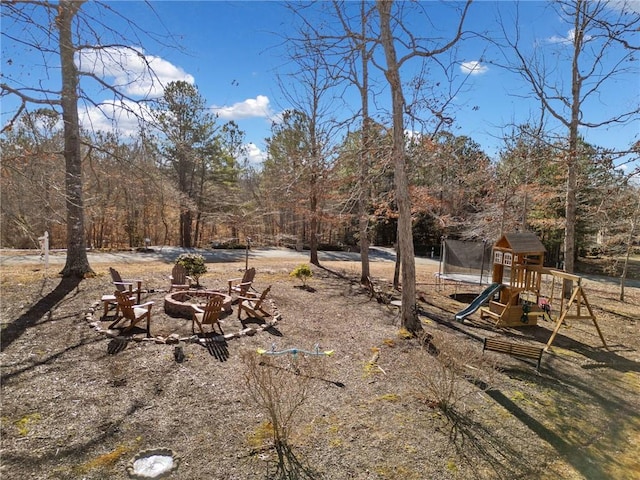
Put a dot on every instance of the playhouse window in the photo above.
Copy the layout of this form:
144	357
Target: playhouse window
497	258
508	259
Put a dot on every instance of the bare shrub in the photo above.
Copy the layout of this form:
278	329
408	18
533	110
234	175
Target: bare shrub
280	387
449	369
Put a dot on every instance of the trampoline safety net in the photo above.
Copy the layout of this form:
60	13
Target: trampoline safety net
470	261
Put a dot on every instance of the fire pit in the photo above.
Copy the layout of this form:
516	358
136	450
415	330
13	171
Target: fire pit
180	304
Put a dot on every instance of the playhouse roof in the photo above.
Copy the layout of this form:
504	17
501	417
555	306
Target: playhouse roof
523	242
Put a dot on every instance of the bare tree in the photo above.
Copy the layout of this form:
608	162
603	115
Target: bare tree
77	263
392	73
311	98
598	48
356	58
63	35
346	47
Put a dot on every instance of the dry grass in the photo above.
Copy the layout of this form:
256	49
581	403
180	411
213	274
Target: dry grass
381	407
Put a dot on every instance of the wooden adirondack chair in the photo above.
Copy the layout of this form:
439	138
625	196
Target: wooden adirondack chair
179	278
110	301
132	312
125	286
240	286
253	305
210	314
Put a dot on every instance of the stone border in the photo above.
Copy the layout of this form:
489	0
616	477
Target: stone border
175	339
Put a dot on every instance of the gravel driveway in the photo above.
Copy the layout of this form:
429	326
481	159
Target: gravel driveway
169	254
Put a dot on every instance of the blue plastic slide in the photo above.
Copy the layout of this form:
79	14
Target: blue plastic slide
480	300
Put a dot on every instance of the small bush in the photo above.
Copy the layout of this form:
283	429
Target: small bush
447	371
194	264
279	388
303	273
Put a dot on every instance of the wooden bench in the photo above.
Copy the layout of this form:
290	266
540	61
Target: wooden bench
515	349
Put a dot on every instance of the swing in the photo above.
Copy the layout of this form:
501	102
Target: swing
545	305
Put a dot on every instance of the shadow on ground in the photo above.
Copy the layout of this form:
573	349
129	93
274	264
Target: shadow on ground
41	309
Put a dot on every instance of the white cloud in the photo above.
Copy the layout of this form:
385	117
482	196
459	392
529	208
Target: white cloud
632	6
249	108
568	40
115	115
255	156
132	71
473	67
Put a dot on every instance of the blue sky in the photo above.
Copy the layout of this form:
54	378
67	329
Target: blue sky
233	51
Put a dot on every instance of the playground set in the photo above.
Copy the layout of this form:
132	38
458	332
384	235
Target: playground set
515	298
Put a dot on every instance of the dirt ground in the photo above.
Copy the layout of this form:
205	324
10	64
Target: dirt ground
79	404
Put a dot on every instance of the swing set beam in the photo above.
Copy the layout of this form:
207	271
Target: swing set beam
578	298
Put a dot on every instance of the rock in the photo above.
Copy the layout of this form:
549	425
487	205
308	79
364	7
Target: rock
249	331
178	354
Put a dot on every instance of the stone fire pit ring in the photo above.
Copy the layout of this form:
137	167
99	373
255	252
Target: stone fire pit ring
180	303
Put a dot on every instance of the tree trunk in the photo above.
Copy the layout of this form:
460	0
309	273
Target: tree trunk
570	216
197	234
625	269
77	263
625	266
313	224
363	193
409	314
313	184
396	269
572	158
364	239
185	228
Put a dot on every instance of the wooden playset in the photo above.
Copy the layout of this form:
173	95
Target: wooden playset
518	268
518	260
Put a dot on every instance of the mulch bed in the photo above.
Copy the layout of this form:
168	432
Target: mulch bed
78	403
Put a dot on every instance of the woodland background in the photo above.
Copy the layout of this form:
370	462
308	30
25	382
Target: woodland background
184	179
135	190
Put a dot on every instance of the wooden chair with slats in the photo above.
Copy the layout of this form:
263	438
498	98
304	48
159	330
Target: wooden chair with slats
132	312
253	305
240	286
209	315
179	278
